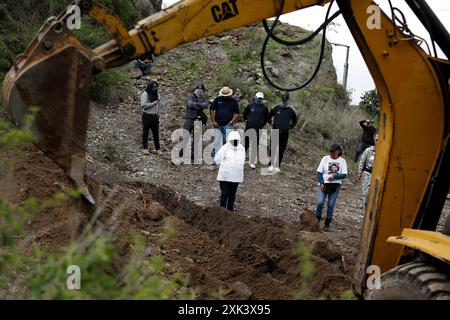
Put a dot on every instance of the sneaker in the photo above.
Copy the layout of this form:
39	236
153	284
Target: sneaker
270	168
145	152
326	228
158	152
277	170
252	166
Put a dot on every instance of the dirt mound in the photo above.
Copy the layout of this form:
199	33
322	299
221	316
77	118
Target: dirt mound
309	222
267	245
224	253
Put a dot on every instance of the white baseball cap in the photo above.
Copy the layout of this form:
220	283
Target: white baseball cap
259	95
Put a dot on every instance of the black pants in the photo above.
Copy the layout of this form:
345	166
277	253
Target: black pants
254	148
150	122
228	194
189	125
360	149
284	138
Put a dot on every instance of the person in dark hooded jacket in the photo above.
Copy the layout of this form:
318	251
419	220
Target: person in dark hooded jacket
256	116
284	119
197	101
151	108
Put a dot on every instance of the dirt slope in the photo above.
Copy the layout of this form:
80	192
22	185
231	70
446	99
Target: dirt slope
243	257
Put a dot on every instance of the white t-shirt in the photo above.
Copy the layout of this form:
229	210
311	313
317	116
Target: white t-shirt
329	166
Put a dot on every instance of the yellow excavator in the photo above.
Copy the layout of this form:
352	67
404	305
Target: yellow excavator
411	176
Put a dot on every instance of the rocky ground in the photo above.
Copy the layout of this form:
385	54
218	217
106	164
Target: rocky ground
250	253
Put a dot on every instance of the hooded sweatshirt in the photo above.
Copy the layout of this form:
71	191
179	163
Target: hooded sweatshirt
231	160
149	99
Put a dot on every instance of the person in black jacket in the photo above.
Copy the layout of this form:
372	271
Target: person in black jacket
197	101
284	119
368	137
256	115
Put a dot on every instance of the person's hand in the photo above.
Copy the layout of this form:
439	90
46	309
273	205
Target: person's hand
215	124
359	175
330	178
322	187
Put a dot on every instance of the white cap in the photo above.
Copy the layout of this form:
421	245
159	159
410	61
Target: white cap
259	95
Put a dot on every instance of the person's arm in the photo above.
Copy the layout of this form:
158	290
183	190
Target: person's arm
204	104
319	176
362	123
343	173
236	113
266	116
339	176
235	117
246	112
362	162
212	113
219	155
145	103
294	119
191	103
271	114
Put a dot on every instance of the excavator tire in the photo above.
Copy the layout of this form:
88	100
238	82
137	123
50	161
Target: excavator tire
412	281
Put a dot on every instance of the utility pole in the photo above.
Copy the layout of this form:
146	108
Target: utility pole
344	80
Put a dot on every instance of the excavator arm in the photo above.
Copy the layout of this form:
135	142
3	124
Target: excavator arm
409	182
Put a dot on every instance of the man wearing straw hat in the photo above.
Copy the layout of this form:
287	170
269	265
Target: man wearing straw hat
224	112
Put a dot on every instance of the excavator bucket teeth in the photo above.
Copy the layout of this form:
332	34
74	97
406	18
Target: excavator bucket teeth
54	76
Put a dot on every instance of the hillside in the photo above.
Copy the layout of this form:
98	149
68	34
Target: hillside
235	255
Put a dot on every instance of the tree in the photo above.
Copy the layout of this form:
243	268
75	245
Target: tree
370	102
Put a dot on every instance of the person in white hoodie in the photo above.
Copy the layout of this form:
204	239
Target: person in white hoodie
231	159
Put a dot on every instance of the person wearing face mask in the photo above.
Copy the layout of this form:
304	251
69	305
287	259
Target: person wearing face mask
230	158
151	108
197	101
330	173
284	119
365	169
256	116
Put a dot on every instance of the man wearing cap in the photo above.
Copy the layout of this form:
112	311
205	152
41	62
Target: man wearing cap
224	112
368	136
256	116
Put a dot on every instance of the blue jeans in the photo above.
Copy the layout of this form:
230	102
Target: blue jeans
321	197
145	68
224	131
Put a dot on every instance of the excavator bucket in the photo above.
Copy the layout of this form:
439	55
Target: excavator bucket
54	75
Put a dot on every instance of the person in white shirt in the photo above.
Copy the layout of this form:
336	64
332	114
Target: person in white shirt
231	159
330	173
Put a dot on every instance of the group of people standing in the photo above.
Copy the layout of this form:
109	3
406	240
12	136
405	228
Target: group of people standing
224	113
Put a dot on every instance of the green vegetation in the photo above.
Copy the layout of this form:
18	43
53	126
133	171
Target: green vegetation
370	103
20	23
43	273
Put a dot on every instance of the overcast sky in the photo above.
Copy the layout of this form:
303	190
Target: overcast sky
359	79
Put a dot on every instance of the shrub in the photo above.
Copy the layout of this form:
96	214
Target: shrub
109	86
